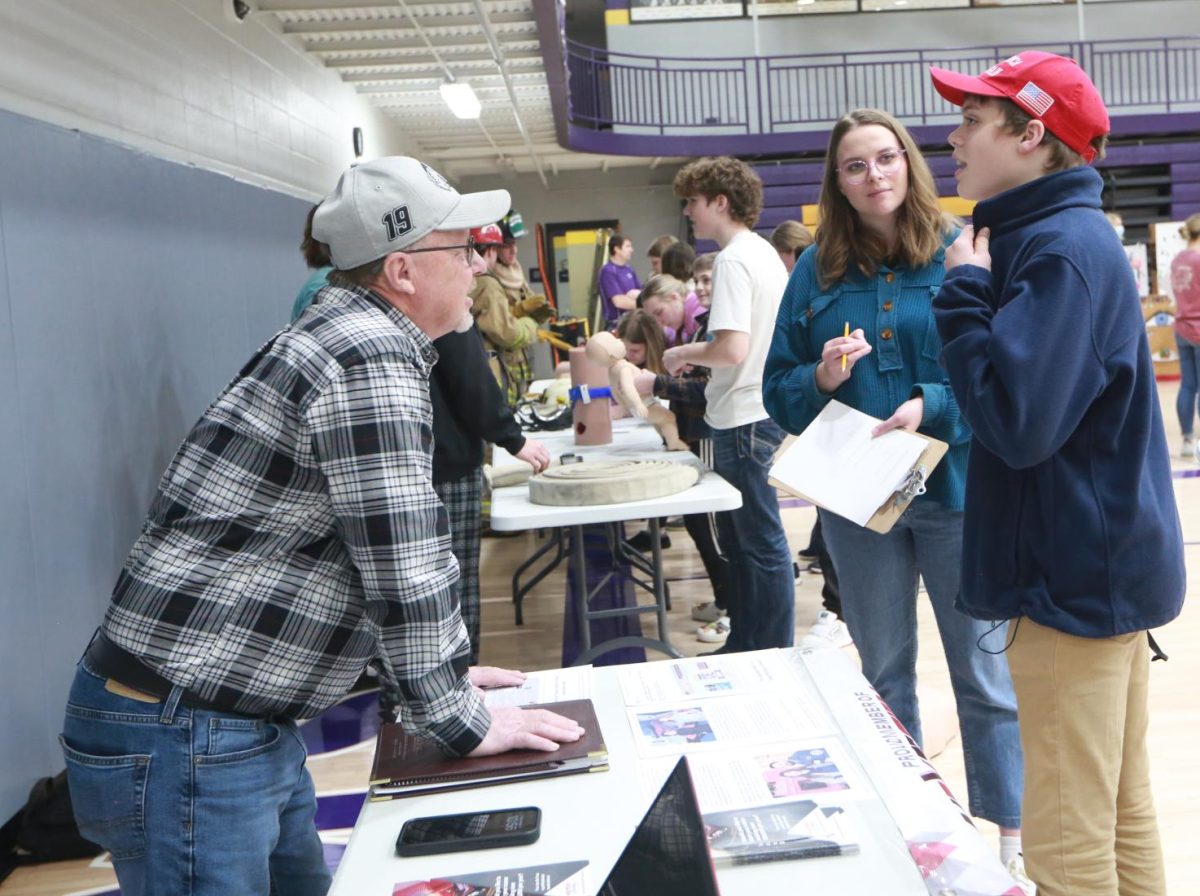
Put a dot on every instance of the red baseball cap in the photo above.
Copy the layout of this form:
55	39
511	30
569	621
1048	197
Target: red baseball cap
1053	89
487	235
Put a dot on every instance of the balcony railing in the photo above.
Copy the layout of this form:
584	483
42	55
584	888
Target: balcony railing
646	95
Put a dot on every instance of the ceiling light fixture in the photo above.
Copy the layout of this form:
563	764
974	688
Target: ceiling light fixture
461	99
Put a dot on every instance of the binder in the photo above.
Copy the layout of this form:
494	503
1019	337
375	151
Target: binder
836	465
406	765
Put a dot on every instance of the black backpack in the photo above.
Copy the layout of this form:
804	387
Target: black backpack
44	830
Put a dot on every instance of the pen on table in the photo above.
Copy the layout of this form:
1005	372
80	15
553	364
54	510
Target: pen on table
846	333
814	851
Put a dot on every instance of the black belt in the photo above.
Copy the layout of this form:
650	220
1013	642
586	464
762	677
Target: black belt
112	661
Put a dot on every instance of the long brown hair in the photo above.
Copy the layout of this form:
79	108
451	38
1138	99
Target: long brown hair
921	225
641	329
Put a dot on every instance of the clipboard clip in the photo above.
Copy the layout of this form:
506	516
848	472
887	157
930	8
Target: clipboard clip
913	485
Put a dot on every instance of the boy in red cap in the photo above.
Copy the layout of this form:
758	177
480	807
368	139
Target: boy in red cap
1070	527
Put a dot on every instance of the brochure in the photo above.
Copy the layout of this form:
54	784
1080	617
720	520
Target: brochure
772	833
559	879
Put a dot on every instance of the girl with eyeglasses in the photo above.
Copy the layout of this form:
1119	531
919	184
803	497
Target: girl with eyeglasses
875	267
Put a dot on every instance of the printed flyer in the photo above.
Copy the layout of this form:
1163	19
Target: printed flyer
559	879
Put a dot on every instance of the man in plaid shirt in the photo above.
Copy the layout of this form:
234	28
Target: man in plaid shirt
295	537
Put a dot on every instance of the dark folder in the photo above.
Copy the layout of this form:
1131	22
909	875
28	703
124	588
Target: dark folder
406	765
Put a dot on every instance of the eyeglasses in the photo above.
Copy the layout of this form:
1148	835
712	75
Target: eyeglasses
468	250
855	171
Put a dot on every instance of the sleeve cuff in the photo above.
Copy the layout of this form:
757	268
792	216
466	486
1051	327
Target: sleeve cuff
463	731
935	403
809	390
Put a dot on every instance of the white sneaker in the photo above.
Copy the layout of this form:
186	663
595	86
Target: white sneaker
827	631
1016	870
1187	448
714	632
707	611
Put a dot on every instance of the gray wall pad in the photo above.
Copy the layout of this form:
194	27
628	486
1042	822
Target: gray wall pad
131	290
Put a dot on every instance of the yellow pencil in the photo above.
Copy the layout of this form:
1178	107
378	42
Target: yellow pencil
847	335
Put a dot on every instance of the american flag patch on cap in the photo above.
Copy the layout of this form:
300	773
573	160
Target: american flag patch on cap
1034	99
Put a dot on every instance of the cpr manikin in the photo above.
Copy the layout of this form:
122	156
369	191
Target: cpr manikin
608	351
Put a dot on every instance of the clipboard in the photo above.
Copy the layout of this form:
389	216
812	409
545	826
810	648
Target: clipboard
814	467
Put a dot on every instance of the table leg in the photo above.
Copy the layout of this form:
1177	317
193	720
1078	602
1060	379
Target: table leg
518	590
583	597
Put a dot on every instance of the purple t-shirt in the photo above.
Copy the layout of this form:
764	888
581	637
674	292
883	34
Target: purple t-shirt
615	280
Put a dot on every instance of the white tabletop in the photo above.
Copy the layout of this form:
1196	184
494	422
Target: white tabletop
592	816
633	439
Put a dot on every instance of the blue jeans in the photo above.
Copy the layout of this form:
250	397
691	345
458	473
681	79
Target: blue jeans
190	801
1189	380
762	599
878	577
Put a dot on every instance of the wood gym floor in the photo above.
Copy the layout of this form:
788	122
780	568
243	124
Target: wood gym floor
1175	707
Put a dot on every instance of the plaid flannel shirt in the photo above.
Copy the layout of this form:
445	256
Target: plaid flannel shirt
296	534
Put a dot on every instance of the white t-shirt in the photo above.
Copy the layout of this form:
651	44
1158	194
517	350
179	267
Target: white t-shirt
748	282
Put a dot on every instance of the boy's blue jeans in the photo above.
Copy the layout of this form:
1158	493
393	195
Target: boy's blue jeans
878	575
190	801
762	600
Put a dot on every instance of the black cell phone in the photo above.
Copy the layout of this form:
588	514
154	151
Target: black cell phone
469	830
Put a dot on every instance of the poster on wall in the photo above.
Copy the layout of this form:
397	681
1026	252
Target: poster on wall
1168	242
1136	253
801	7
664	10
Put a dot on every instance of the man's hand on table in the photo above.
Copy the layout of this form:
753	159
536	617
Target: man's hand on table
494	677
514	728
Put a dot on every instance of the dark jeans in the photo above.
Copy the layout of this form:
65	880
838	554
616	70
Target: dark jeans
762	605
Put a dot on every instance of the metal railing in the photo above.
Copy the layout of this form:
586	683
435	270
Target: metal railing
679	96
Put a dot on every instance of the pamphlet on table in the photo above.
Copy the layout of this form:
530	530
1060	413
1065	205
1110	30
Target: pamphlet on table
705	676
720	722
547	686
800	829
559	879
817	769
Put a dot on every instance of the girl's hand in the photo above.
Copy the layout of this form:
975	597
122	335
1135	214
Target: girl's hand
830	374
907	416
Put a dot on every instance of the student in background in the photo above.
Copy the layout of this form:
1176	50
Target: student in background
875	268
316	256
723	198
469	410
655	252
1071	530
644	341
619	284
677	260
702	277
687	318
791	238
1185	284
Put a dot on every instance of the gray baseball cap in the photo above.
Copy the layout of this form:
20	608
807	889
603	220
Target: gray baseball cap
389	204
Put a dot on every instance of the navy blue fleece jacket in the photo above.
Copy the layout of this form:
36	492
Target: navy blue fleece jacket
1070	514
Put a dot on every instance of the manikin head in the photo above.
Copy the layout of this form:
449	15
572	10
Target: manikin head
605	349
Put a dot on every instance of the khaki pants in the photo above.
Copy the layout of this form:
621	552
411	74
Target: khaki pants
1089	827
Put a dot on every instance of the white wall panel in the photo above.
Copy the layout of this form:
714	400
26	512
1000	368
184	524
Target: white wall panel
177	79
